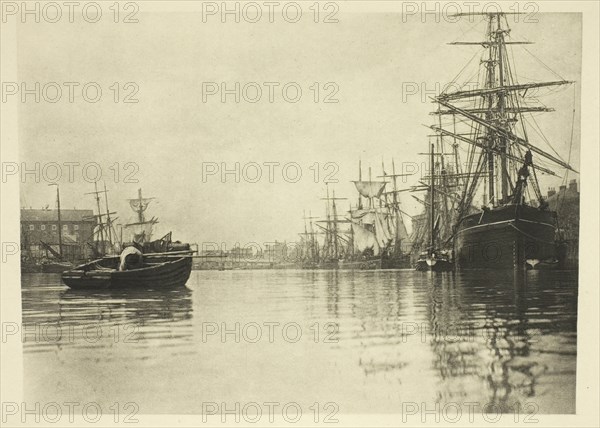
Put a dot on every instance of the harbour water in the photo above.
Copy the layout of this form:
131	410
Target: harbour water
367	341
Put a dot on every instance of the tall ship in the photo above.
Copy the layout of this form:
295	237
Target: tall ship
378	231
142	229
494	123
309	244
105	241
436	255
336	247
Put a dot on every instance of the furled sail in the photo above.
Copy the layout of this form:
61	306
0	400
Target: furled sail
370	189
382	232
364	239
141	232
139	204
401	232
363	216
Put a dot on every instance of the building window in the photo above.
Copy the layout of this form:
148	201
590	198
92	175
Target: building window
31	227
76	227
43	227
53	227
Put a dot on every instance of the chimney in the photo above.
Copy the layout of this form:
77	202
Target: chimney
551	191
573	185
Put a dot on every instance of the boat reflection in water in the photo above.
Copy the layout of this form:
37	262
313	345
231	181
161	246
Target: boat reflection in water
386	337
100	318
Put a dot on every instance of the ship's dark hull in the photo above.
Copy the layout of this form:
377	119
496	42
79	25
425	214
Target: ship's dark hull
365	263
396	262
328	264
508	237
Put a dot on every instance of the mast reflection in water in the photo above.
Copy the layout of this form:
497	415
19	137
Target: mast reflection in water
385	338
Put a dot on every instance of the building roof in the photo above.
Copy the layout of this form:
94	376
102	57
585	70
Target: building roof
565	197
52	215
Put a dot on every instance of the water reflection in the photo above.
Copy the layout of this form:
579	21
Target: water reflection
56	317
482	337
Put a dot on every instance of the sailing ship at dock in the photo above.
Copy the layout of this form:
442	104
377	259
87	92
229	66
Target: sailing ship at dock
309	244
436	256
371	235
514	227
141	230
104	237
377	224
337	245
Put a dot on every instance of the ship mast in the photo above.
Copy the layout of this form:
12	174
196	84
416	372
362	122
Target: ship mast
108	220
502	119
331	231
101	242
490	66
335	233
360	205
492	122
432	196
394	206
60	245
140	208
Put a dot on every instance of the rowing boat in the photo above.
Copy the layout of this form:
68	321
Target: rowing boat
157	271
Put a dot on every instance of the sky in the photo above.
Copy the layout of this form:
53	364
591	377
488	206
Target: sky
172	135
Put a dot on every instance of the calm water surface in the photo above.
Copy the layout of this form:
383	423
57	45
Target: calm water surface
366	340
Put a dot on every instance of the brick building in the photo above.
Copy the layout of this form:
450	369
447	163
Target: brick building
565	202
40	226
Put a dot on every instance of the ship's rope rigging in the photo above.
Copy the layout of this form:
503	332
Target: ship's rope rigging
551	89
455	79
558	200
497	119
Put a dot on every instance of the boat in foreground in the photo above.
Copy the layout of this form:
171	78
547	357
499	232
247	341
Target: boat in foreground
158	271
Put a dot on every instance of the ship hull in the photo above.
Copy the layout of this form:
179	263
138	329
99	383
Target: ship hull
368	263
508	237
396	262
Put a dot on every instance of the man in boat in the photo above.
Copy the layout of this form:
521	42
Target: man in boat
131	258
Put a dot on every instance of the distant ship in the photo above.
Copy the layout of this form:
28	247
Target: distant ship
141	230
436	257
509	231
378	231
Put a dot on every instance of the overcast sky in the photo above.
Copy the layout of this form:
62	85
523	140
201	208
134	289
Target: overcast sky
171	132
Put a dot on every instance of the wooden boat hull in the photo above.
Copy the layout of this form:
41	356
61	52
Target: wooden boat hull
506	238
55	267
100	274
